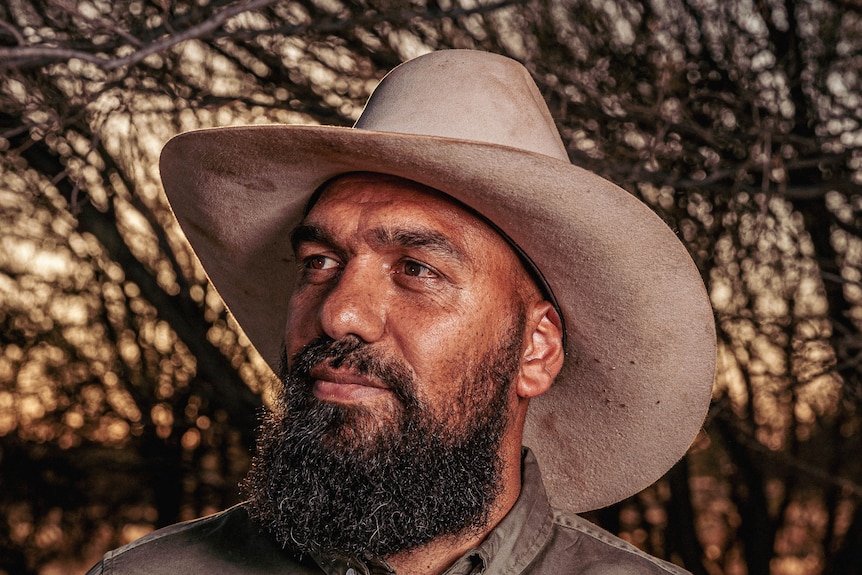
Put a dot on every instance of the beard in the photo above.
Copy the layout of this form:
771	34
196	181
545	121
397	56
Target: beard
355	482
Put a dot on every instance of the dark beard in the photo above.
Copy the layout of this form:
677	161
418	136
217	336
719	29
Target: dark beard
335	480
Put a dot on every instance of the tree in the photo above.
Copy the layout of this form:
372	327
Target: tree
128	396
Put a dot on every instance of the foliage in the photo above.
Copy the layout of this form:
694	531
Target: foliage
127	395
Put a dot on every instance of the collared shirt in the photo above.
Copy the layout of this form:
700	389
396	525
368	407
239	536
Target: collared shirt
532	538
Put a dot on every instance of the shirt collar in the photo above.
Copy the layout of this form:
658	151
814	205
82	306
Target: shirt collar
336	565
524	531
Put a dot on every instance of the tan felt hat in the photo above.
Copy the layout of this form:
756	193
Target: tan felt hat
640	345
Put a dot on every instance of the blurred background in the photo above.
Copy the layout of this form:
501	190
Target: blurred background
128	397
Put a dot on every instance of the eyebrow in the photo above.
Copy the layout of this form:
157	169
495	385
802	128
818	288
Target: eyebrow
385	237
306	233
418	238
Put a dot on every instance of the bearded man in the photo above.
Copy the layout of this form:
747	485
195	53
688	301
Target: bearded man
448	303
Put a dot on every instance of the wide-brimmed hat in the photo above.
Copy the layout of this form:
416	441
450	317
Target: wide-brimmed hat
640	337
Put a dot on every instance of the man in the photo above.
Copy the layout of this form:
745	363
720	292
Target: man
434	288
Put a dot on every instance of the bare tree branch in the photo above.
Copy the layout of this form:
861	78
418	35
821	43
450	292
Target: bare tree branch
14	32
37	55
31	56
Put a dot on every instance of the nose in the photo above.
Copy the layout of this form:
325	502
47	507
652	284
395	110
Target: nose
356	304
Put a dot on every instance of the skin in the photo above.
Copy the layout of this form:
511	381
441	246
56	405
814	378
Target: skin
409	270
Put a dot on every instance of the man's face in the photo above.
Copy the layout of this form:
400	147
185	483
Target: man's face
410	273
403	340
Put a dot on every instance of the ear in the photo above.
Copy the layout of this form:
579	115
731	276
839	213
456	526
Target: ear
543	353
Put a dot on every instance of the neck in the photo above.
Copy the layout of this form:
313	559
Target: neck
436	556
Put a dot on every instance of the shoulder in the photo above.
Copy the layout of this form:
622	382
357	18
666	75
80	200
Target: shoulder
224	543
578	546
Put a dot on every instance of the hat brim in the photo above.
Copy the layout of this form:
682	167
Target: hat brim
640	349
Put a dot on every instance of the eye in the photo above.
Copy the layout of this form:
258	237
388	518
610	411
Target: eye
415	269
319	262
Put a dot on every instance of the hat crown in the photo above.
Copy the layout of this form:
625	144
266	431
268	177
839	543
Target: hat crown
467	95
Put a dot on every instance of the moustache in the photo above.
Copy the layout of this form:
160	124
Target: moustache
353	353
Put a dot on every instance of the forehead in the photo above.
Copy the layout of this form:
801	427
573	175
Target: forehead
386	201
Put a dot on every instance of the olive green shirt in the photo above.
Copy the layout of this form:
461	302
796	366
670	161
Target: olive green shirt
533	539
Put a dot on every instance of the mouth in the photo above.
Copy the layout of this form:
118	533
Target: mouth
344	385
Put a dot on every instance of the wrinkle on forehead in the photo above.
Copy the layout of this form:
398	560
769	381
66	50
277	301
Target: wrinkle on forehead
372	188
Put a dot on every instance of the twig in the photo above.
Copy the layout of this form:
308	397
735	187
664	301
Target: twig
197	31
10	57
14	31
39	55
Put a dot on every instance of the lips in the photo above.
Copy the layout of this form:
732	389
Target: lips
344	385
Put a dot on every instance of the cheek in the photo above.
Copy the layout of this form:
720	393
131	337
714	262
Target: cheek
300	324
439	348
467	339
